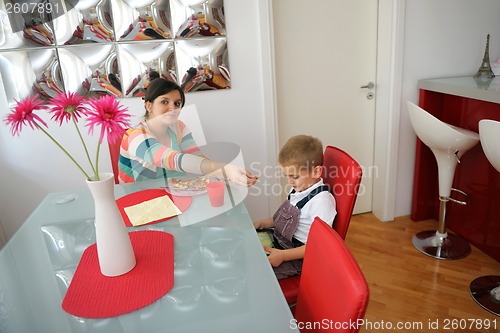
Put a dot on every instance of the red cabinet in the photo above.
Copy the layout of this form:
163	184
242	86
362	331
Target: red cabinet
461	102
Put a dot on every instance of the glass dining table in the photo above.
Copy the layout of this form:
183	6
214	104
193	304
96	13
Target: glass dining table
222	279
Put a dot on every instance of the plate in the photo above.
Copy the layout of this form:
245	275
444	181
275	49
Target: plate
188	186
184	193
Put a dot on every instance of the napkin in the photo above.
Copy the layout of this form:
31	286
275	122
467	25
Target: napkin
152	210
132	199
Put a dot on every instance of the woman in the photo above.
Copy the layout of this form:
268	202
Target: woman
161	146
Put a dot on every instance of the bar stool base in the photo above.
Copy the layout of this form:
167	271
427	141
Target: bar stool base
480	290
449	247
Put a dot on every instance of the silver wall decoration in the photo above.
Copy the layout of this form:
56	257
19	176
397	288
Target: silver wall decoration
140	61
113	47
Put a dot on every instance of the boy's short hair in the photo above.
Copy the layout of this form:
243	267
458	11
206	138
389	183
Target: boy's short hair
302	150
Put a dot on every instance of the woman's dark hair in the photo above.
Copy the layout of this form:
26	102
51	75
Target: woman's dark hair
161	86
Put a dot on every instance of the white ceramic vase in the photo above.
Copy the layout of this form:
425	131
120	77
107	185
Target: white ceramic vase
114	249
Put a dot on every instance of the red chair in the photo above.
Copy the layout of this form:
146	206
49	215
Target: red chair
343	175
333	293
114	154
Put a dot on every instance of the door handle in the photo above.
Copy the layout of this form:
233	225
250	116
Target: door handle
370	85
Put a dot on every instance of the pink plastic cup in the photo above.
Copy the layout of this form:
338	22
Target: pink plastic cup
215	192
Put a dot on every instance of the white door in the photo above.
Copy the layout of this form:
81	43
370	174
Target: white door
325	51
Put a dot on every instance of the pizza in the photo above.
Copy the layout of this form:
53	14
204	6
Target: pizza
196	183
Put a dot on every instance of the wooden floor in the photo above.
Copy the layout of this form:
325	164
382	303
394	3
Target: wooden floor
413	289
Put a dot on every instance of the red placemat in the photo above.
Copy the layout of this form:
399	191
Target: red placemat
93	295
138	197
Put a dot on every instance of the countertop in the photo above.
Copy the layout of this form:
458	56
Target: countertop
466	86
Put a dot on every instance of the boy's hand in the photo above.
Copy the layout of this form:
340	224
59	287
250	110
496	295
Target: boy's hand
258	225
264	223
275	256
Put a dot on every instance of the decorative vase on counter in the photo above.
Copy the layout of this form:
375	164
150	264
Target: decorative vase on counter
114	249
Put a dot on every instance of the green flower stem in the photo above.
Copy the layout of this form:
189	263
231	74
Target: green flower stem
83	142
64	150
97	161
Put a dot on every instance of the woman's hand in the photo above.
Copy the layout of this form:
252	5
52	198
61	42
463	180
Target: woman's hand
251	179
239	175
232	172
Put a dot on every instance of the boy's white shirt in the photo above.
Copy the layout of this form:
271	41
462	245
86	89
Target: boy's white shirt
321	205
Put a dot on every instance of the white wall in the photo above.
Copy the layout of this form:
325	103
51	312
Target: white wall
443	38
31	166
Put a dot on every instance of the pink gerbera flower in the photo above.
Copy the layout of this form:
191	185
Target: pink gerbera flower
23	114
66	105
110	115
105	111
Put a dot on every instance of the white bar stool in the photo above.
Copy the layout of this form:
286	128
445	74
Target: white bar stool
448	144
485	290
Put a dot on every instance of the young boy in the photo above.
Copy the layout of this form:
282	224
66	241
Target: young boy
301	161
